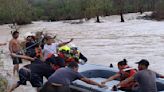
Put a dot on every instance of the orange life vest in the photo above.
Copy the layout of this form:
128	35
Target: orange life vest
126	73
38	52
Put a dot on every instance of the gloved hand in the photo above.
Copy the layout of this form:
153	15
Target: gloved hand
82	62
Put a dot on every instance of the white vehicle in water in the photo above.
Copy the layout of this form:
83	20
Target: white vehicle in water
100	73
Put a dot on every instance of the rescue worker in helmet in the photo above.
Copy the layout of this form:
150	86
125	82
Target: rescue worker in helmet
71	53
77	55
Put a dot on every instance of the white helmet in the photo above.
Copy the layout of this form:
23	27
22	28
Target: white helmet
73	46
28	34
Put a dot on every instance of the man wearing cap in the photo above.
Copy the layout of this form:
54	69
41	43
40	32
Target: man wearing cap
51	47
145	77
33	72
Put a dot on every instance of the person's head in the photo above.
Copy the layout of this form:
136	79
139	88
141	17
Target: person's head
29	38
74	50
73	65
49	40
51	61
15	34
122	64
143	64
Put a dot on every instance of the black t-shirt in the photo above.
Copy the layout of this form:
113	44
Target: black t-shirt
41	69
29	44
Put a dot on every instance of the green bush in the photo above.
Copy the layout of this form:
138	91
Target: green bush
159	11
15	11
24	11
3	84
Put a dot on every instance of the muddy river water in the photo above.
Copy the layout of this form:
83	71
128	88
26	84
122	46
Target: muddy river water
103	43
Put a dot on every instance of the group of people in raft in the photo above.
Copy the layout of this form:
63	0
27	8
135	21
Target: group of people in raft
59	64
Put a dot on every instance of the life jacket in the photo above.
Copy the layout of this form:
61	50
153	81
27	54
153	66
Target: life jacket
67	57
61	54
38	52
126	73
68	60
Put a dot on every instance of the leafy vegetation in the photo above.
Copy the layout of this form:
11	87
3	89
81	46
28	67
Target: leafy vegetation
159	11
3	84
24	11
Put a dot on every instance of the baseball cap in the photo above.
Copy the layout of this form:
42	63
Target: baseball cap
48	37
143	62
28	34
51	60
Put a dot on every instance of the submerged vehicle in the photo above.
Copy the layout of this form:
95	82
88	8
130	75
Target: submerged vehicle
99	73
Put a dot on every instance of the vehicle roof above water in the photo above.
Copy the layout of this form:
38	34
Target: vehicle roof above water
87	67
95	88
97	73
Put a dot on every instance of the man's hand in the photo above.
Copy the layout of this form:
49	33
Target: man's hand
13	54
103	82
1	44
4	43
71	40
102	85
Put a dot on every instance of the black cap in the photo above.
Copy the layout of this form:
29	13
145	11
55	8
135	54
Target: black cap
51	60
74	48
143	62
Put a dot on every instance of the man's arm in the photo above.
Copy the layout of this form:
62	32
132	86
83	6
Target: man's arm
23	57
1	44
65	43
10	46
125	81
92	82
111	78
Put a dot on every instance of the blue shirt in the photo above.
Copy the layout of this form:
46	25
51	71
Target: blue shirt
64	76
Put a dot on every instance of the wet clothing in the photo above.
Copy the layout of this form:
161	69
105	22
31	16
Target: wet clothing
34	73
17	60
147	81
26	75
50	49
41	69
64	76
30	51
126	73
34	51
